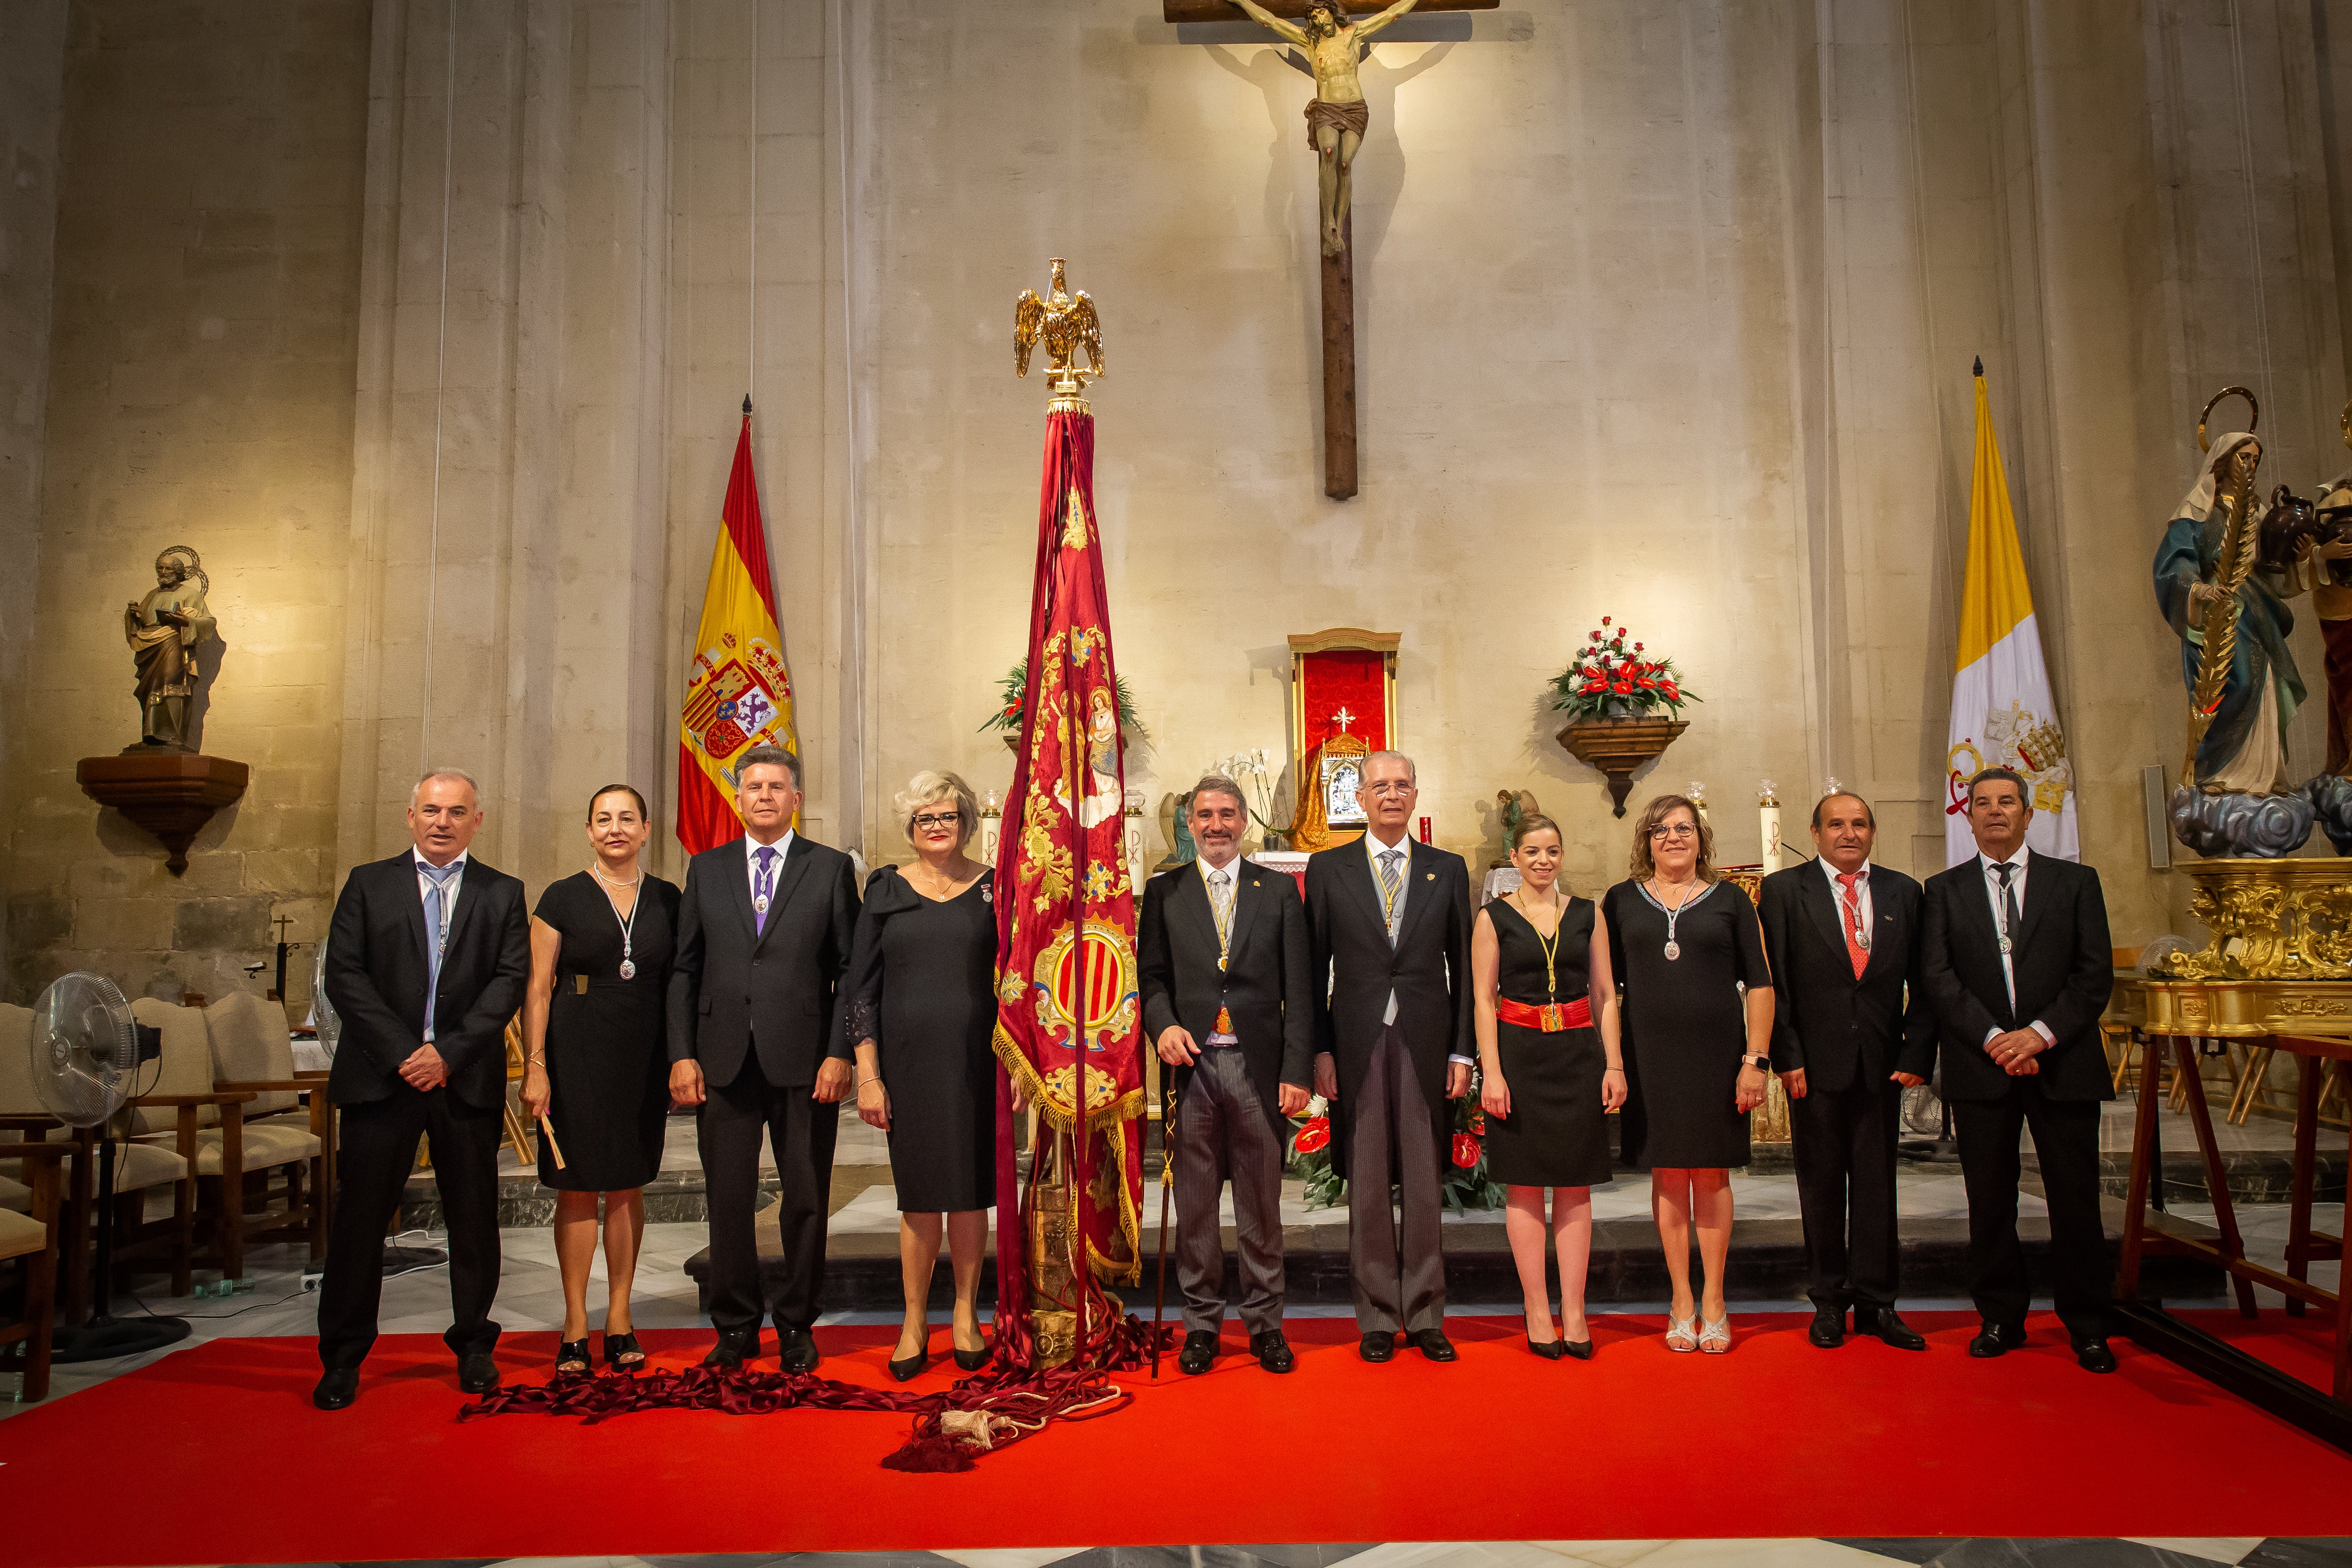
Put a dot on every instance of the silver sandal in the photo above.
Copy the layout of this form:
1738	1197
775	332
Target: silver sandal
1714	1338
1681	1336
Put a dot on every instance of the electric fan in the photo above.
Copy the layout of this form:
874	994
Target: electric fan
397	1259
86	1054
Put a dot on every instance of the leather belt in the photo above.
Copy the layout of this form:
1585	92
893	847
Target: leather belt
1550	1017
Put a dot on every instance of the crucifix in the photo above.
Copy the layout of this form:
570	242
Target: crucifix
1343	719
1337	118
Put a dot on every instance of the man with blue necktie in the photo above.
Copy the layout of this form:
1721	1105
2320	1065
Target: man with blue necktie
426	960
763	937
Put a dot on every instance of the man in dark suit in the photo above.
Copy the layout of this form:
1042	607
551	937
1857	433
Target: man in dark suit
426	960
763	936
2015	957
1852	1032
1387	922
1222	952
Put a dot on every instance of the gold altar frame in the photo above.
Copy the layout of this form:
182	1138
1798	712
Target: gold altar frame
1339	639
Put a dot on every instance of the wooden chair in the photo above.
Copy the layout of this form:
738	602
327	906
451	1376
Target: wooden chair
34	1237
266	1171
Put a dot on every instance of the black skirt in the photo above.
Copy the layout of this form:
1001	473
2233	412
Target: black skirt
1557	1133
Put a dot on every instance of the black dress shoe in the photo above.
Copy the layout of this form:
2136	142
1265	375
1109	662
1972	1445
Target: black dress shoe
2095	1355
1890	1329
1995	1338
477	1372
1433	1344
732	1351
1199	1353
1273	1352
1377	1346
1828	1329
797	1350
338	1386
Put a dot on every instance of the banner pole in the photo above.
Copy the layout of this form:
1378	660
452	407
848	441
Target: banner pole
1075	752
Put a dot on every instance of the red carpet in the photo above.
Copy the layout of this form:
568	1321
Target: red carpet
2302	1348
1775	1439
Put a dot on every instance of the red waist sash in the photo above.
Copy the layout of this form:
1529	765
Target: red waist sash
1550	1017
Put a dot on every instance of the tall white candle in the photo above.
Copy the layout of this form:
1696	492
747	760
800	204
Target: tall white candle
1767	821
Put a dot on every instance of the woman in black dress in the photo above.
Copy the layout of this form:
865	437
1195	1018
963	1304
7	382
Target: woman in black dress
1547	1018
921	1010
597	1062
1697	1047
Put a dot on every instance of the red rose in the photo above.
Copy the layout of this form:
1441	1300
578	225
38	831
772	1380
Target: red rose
1637	647
1604	620
1313	1135
1466	1151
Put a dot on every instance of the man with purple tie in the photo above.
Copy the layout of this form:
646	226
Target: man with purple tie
763	937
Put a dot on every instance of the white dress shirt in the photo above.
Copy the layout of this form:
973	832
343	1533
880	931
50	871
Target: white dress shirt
1374	849
1224	921
448	907
782	847
1864	910
1985	863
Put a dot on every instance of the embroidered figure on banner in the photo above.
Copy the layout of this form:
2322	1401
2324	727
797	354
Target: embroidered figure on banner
2032	744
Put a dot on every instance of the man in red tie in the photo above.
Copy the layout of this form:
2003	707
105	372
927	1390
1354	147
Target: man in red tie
1852	1032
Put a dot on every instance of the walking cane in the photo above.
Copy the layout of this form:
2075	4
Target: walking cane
1166	1182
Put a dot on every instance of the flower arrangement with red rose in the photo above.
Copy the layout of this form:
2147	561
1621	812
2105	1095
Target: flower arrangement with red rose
1467	1185
1612	678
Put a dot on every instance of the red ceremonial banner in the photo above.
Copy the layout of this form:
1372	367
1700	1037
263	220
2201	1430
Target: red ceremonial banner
1062	1000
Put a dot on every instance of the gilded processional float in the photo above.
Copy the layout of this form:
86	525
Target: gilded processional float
2276	974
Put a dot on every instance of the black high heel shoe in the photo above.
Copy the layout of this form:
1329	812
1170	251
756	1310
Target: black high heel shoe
572	1356
1551	1349
1581	1349
908	1366
971	1360
623	1353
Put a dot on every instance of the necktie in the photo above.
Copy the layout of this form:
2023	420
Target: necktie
1392	887
762	885
436	929
1850	909
2004	870
1221	896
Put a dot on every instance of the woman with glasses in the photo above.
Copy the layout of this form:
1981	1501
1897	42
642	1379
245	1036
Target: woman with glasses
921	1009
1697	1021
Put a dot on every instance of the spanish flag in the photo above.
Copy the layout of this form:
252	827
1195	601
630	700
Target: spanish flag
737	692
2002	714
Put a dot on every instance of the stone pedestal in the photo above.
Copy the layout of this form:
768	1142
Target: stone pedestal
172	795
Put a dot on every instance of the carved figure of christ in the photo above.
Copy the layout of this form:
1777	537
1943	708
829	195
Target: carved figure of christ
1335	120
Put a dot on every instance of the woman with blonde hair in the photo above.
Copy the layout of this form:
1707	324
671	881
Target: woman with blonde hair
1549	1072
921	1008
1689	953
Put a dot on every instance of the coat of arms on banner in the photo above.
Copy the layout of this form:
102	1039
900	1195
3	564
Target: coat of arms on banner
2032	744
736	697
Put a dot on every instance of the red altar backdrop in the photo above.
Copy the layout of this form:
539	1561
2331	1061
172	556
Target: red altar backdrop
1353	681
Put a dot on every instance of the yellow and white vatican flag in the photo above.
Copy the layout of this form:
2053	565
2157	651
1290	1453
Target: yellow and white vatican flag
2003	712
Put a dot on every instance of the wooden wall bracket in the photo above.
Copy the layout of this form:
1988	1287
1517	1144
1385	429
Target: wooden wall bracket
171	795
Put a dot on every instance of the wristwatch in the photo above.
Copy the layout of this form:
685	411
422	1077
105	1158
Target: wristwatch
1761	1064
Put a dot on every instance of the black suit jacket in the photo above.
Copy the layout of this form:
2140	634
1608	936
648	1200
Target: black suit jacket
1828	1023
2066	969
1429	968
1265	984
376	971
733	988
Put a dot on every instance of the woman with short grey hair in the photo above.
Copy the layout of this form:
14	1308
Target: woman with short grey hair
920	1015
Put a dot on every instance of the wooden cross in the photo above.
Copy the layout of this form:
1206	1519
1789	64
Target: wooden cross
1339	258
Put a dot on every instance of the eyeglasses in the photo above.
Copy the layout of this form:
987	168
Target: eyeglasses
1390	786
1673	830
938	819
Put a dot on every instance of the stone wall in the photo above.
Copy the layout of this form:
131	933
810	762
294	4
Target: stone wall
429	324
32	67
200	393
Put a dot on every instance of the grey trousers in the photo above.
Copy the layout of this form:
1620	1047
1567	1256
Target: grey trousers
1398	1270
1222	1132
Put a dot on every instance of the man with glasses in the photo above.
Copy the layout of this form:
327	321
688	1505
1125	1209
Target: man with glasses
2014	953
764	938
1389	933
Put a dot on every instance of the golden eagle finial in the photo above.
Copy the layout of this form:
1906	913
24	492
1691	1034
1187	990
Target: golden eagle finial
1065	323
